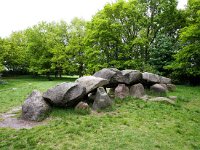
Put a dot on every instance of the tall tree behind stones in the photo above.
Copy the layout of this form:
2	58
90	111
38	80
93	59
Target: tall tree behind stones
58	40
123	33
15	52
112	32
47	48
40	60
76	46
1	56
187	63
162	33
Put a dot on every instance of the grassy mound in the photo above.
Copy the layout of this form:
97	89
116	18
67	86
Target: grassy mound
128	124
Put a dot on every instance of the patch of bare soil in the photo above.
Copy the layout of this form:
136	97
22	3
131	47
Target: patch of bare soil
10	120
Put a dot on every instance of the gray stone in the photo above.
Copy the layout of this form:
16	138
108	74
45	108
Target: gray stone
137	90
82	106
131	76
91	83
164	80
158	89
161	99
173	98
145	97
121	91
171	87
102	100
163	85
150	77
114	76
35	108
65	94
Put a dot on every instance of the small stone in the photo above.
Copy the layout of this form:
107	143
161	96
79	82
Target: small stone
145	98
82	106
173	98
158	89
161	99
102	100
137	90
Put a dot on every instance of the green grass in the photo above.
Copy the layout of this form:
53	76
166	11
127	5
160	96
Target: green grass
129	124
15	91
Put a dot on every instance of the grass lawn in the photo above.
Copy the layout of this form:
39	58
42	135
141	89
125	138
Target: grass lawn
129	124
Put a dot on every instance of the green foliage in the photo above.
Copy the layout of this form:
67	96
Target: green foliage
187	60
133	34
76	46
39	48
125	34
57	48
162	52
15	52
47	48
83	111
2	55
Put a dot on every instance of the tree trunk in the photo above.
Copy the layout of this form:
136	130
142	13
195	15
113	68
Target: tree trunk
80	70
48	76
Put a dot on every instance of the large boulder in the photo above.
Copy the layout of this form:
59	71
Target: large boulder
121	91
102	100
137	90
65	94
158	89
150	78
164	80
114	76
131	76
35	108
91	83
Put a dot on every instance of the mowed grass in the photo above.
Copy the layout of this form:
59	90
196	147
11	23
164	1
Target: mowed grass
16	89
130	124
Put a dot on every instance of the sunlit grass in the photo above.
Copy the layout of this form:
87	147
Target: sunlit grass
128	124
15	91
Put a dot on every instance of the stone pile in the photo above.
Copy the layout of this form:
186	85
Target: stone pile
97	91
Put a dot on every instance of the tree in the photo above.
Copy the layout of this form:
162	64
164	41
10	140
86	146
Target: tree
124	33
14	52
58	38
162	52
2	55
112	35
39	52
75	49
187	63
